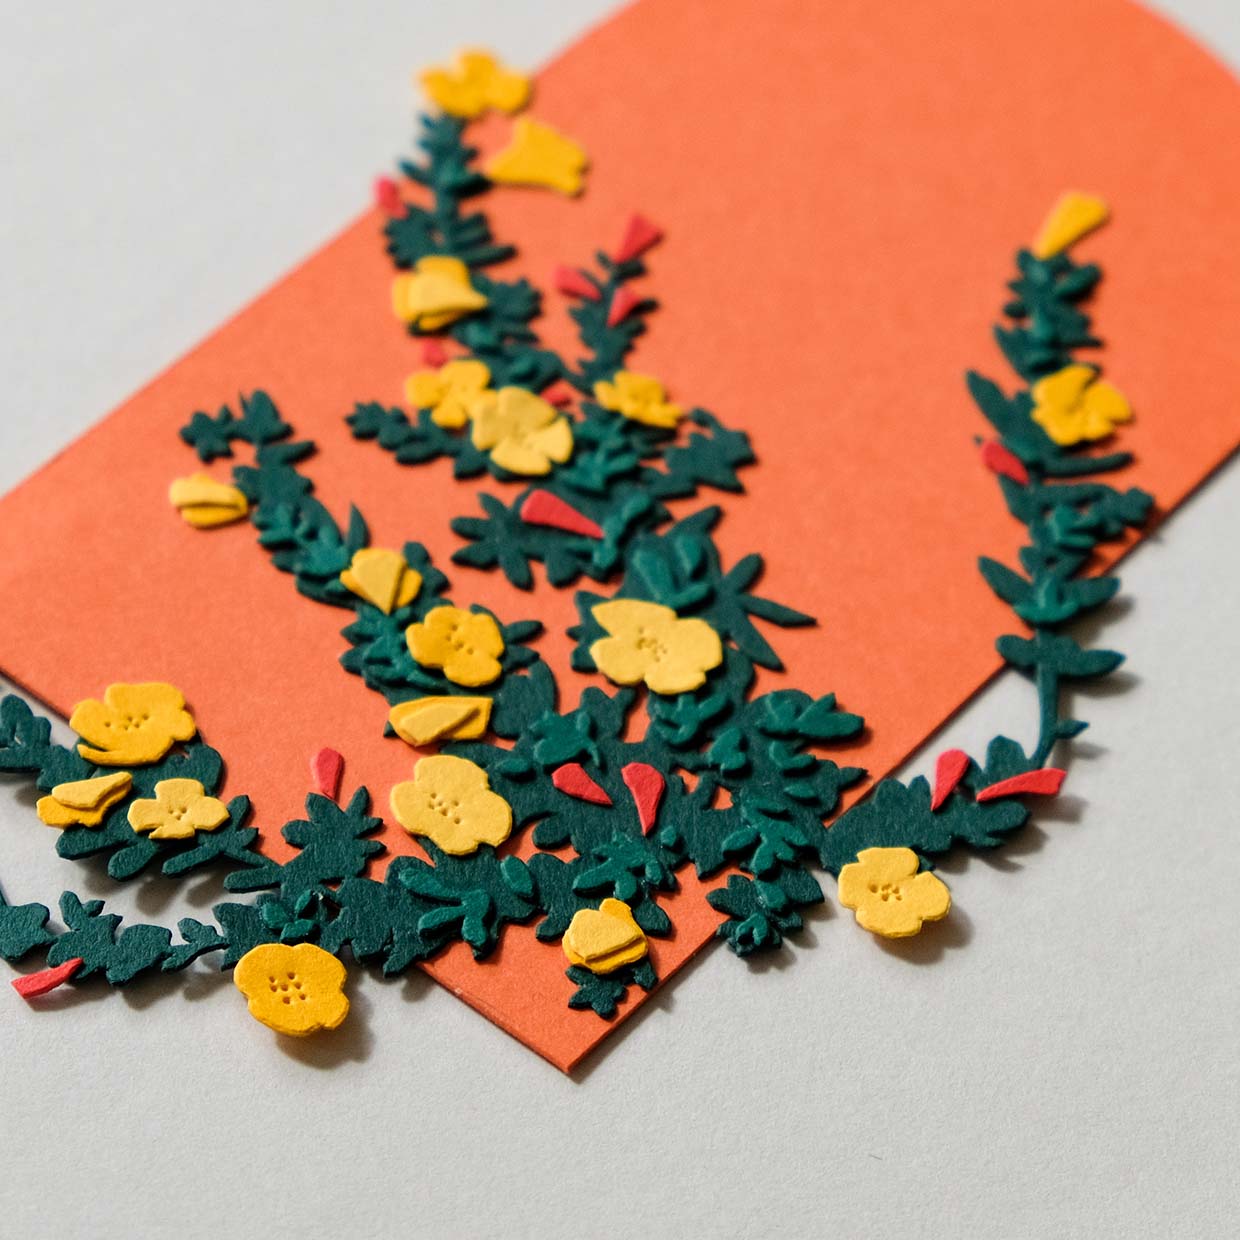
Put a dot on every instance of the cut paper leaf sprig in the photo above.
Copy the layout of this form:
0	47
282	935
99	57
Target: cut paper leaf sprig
683	762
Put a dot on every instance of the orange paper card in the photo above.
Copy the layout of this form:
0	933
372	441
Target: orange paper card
842	187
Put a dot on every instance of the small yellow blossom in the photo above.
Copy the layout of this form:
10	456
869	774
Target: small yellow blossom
448	391
523	432
437	292
605	938
449	800
540	156
180	808
888	894
84	802
1073	405
640	397
205	503
652	643
295	990
134	725
476	82
440	718
1073	216
466	644
382	577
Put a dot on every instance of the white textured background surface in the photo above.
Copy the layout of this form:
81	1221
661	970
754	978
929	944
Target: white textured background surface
1063	1059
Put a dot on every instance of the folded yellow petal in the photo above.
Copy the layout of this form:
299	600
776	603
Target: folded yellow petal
204	503
540	156
437	292
604	939
1072	216
440	718
84	802
382	577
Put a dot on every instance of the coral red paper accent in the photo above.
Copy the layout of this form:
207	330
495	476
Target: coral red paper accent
1045	782
387	196
948	772
35	984
622	305
999	460
326	768
544	508
559	394
639	235
433	351
570	282
571	778
646	785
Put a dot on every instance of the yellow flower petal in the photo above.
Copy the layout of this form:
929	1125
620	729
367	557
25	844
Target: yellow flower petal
382	577
84	802
134	724
437	292
691	648
605	938
539	155
1070	219
889	896
179	809
295	990
476	82
205	503
448	391
450	802
440	718
466	645
639	397
650	642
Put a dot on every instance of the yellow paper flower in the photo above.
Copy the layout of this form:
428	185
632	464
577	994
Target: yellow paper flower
1073	405
134	724
640	397
652	643
296	990
476	82
539	156
1070	219
523	432
448	391
449	800
604	938
440	718
382	577
84	802
466	644
180	808
205	503
437	292
888	894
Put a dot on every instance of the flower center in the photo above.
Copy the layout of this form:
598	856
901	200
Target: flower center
886	891
288	987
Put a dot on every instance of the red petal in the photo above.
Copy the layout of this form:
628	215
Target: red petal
646	783
622	305
544	508
570	282
433	352
572	779
999	460
387	196
35	984
1045	782
948	772
559	394
326	768
639	235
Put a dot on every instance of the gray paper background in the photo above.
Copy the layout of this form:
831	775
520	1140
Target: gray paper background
1059	1058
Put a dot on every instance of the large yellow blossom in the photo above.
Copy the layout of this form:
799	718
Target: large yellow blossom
448	391
437	292
179	808
651	642
295	990
134	725
382	577
540	156
888	894
466	644
1074	406
449	800
605	938
640	397
523	433
476	82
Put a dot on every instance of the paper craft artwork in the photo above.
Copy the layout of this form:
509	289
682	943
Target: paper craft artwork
572	824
